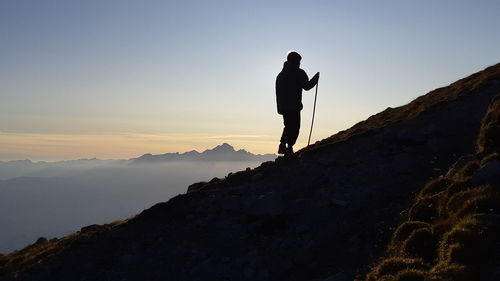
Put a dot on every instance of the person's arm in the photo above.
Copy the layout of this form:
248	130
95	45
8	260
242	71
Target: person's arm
309	84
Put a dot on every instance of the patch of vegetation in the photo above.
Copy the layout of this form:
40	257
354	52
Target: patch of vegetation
458	200
480	204
469	242
435	186
405	230
35	253
456	187
452	235
467	171
410	275
489	158
41	251
425	209
453	272
393	266
420	244
454	245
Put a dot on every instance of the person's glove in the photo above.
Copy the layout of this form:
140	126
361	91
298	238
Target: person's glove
315	78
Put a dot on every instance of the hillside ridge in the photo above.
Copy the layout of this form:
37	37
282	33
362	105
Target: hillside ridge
468	85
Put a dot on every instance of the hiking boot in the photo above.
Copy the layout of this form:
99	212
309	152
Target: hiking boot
289	151
282	148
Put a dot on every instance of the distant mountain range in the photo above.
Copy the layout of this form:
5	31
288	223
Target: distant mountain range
223	152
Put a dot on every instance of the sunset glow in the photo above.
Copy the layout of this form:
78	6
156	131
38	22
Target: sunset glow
117	79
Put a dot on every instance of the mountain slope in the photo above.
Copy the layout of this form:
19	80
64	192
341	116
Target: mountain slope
453	228
328	213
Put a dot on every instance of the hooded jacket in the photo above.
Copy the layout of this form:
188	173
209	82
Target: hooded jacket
289	84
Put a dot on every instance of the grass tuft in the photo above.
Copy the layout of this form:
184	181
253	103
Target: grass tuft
481	204
411	275
452	272
466	243
435	186
420	244
489	158
405	229
426	209
458	200
467	171
392	266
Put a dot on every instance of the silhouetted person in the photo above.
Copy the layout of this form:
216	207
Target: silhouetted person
289	84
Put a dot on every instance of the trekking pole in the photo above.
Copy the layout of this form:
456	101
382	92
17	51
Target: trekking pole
314	111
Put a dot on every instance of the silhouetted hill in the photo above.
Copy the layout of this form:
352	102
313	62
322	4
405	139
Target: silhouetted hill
327	215
223	152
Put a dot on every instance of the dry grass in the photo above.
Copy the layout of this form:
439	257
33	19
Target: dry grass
35	253
489	158
392	266
454	245
425	209
405	230
454	226
435	186
420	244
39	252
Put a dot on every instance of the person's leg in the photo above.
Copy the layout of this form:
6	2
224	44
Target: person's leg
294	127
291	120
285	136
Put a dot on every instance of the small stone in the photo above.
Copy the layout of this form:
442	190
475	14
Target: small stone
215	180
41	241
93	228
196	186
267	164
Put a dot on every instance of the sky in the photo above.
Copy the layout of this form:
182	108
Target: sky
120	78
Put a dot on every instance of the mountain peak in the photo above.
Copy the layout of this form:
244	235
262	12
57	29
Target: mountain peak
225	147
222	152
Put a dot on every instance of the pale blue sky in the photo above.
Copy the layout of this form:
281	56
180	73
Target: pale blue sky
191	74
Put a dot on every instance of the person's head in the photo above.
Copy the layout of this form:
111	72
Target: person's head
293	58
